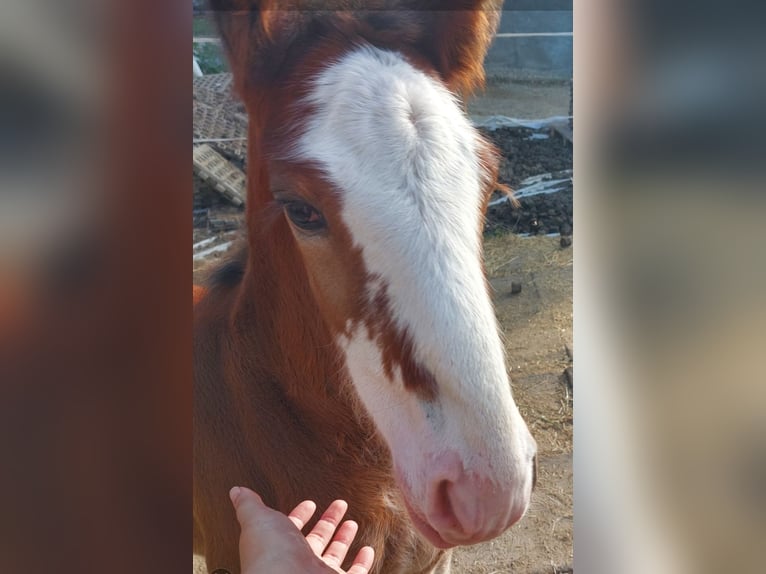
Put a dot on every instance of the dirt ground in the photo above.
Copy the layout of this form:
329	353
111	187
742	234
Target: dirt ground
537	324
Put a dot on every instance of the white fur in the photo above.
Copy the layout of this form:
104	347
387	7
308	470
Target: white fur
403	156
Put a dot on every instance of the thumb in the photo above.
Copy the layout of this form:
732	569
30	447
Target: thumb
249	506
267	535
256	520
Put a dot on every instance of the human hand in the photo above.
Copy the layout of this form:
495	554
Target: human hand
271	542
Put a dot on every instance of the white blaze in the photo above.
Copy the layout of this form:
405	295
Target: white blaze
404	157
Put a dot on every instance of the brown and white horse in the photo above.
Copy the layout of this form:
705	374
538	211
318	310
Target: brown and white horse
351	349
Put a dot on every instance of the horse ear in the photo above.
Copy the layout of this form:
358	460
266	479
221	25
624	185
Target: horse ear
232	17
251	30
456	39
453	34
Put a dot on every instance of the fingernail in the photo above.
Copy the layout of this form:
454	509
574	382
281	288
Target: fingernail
234	494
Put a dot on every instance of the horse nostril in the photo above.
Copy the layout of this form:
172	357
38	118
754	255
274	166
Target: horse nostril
534	472
444	504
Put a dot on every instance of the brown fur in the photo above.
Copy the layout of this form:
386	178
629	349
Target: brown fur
274	407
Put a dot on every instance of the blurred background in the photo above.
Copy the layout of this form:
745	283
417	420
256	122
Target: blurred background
95	317
670	437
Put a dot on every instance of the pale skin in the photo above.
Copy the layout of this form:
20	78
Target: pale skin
272	543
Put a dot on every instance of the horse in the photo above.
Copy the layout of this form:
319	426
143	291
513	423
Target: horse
350	348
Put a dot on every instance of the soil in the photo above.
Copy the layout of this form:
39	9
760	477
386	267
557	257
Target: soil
527	153
537	324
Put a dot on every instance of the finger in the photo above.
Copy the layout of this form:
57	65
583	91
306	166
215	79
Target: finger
302	513
338	548
363	561
321	534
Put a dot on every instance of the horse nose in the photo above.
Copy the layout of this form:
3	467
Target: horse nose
466	507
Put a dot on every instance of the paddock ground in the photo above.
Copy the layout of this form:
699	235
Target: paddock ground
537	324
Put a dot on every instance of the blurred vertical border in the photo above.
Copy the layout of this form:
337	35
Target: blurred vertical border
95	305
670	286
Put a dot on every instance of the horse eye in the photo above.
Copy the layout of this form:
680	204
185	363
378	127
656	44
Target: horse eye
304	216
